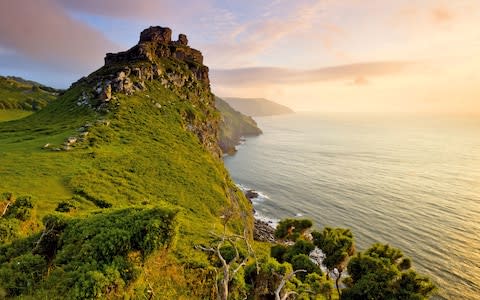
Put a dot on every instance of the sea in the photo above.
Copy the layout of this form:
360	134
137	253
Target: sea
410	181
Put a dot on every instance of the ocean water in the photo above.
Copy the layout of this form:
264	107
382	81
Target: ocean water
412	182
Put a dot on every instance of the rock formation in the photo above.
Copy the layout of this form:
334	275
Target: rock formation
174	64
156	42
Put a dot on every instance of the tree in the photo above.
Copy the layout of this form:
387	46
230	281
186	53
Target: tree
337	244
227	252
383	272
292	229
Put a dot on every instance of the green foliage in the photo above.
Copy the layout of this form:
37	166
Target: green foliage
303	262
292	229
337	244
20	209
8	229
17	211
268	277
278	251
22	274
19	94
90	255
300	247
228	252
381	273
65	206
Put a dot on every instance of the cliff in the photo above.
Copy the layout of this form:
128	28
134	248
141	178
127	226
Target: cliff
106	191
233	126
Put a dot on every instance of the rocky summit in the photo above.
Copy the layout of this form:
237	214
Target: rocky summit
156	42
156	57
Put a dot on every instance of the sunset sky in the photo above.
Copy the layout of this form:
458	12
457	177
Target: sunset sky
328	55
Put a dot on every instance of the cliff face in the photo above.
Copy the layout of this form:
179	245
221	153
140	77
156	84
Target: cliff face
233	126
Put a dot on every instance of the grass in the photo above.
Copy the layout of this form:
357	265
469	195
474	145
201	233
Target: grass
13	114
138	154
19	94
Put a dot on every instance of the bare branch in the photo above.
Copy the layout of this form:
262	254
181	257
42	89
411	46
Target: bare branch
288	295
45	232
204	248
5	209
284	280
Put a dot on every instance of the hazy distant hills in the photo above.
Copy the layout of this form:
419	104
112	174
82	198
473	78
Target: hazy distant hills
18	93
257	106
233	126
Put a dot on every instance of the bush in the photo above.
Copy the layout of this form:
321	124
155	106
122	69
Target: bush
65	207
292	229
22	274
90	255
300	247
278	251
20	209
303	262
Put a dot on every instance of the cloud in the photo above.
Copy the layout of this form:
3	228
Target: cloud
244	40
442	14
360	80
279	76
43	31
145	9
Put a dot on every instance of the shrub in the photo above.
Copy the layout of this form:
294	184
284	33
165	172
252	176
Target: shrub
300	247
292	229
22	274
90	255
65	207
303	262
278	251
20	209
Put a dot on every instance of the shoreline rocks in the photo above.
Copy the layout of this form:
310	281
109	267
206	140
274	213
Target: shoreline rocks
263	232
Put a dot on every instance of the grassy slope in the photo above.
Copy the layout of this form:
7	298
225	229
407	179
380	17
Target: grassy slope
13	114
23	95
143	157
234	125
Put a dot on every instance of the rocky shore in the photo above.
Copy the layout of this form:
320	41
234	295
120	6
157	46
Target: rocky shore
263	231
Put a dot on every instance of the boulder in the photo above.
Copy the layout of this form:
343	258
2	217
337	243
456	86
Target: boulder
251	194
263	232
182	39
156	34
106	93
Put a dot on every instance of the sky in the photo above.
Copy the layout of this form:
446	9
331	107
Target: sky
326	55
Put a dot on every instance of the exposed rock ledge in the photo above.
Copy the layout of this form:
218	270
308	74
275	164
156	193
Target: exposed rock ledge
263	232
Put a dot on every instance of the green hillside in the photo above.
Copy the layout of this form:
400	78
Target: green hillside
19	94
233	126
107	190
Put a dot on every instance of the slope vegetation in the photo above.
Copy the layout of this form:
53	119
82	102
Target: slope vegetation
107	190
17	93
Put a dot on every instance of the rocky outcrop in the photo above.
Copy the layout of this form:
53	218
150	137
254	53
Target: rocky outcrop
156	42
263	232
156	34
176	66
